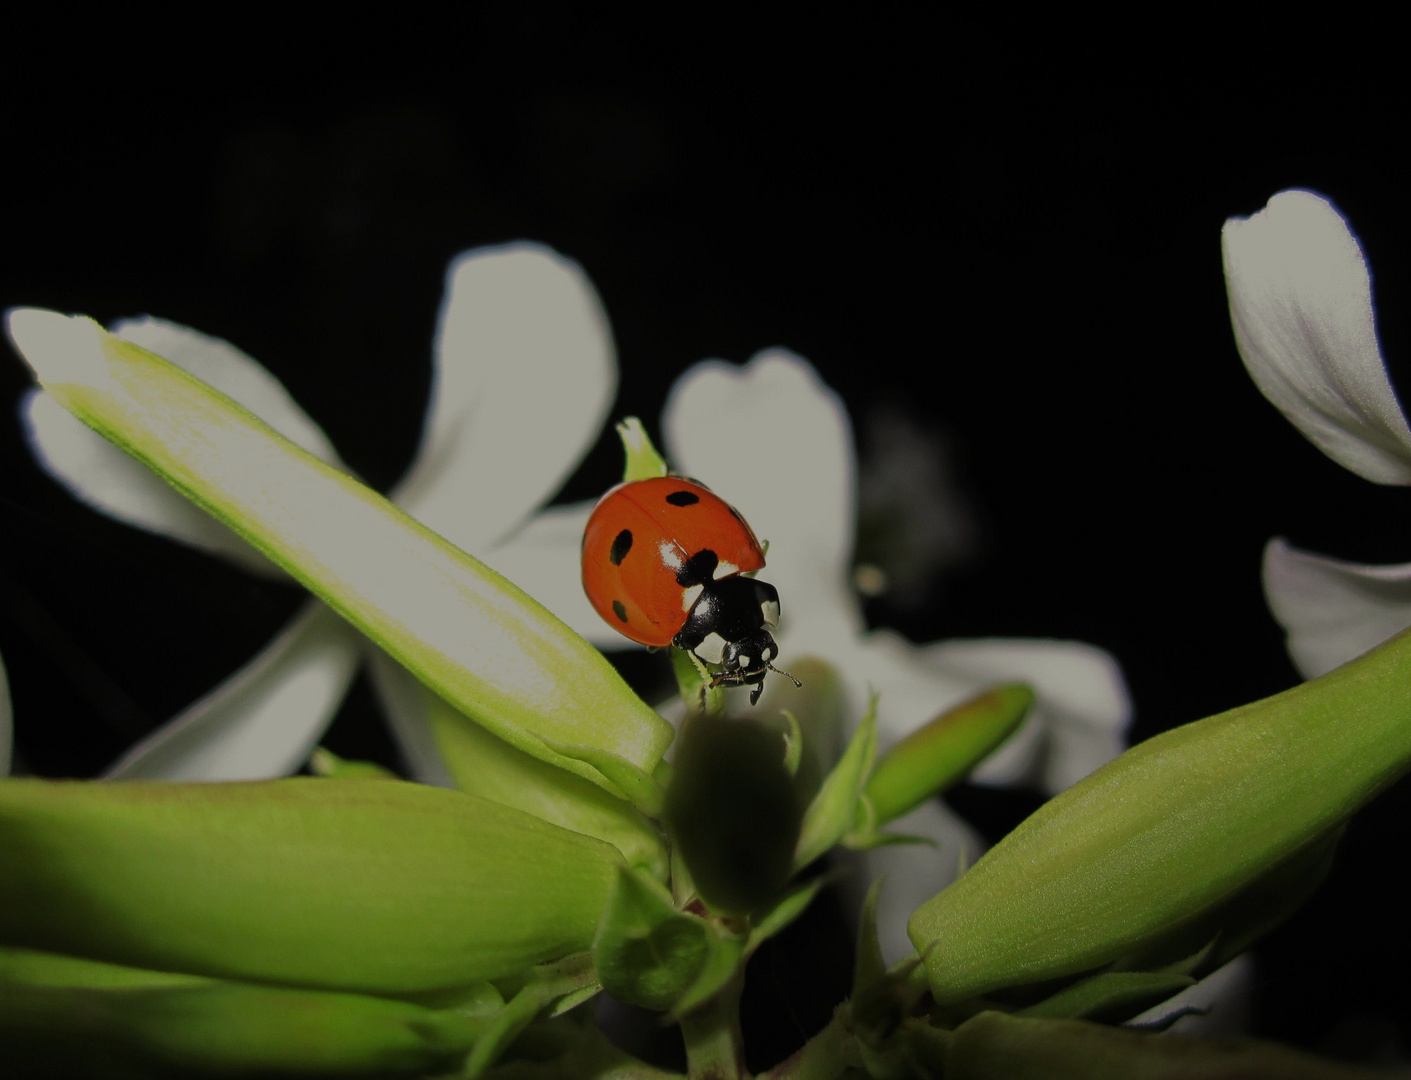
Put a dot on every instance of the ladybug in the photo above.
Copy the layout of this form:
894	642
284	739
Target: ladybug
664	563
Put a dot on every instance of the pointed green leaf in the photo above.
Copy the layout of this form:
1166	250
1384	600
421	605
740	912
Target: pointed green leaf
765	924
643	461
869	966
369	885
936	755
1110	996
834	809
475	638
1172	829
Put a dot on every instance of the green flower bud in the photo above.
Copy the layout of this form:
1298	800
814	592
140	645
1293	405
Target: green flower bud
373	886
477	640
1169	831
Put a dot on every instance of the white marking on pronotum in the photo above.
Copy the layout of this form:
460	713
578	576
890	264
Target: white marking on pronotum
767	654
712	649
724	569
690	596
770	610
744	661
670	554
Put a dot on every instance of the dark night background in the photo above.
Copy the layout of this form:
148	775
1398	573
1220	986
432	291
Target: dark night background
1014	249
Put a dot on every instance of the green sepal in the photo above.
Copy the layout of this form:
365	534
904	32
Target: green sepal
1171	830
646	951
771	920
545	991
61	1016
889	1041
834	811
475	638
1111	996
482	764
994	1046
722	965
868	965
324	762
732	811
642	460
373	886
943	751
793	743
693	684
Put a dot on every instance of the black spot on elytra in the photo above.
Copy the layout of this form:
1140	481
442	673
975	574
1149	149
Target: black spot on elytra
698	569
621	545
619	610
683	498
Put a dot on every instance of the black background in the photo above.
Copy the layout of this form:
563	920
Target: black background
1028	215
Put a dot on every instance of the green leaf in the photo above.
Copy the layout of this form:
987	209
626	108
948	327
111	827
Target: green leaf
936	755
646	952
1111	996
473	637
732	811
834	809
869	967
765	924
993	1046
367	885
1170	830
484	765
60	1016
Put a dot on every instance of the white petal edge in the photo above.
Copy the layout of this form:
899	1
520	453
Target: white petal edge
1301	304
404	705
1225	994
774	441
265	720
912	873
112	482
1333	611
525	374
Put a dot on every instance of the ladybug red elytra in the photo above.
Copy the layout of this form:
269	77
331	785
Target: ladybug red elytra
664	563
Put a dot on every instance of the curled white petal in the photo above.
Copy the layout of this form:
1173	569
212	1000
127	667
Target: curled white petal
99	474
525	373
264	720
1301	304
1223	998
1333	611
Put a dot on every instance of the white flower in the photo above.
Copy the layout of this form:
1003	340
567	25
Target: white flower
1301	304
776	443
524	375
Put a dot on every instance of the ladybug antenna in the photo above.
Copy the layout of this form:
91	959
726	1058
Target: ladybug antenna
781	671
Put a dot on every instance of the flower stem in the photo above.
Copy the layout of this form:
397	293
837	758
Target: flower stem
715	1049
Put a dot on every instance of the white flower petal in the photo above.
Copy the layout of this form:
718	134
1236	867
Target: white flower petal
1333	611
913	873
235	374
1225	995
404	704
1077	724
525	374
1082	706
264	720
1301	304
543	559
773	441
112	482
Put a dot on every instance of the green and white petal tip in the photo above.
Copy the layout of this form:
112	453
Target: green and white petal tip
474	637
